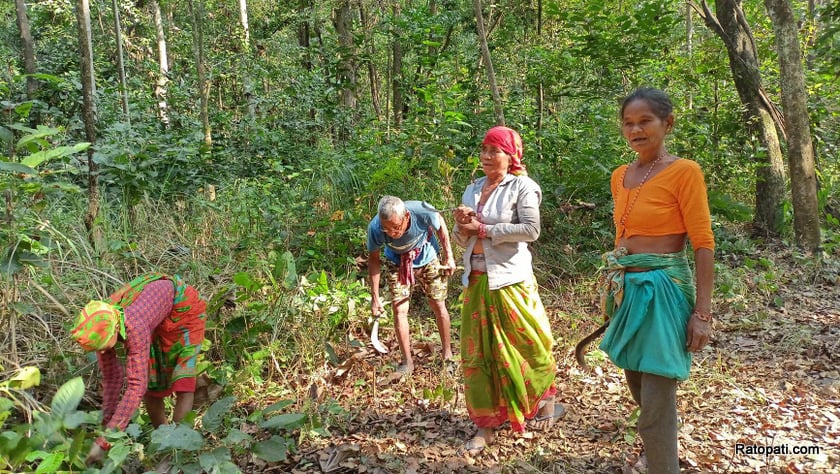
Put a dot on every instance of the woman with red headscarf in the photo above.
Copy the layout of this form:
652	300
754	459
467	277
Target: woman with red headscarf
159	320
506	338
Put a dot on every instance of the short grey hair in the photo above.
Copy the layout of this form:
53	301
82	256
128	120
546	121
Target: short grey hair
390	206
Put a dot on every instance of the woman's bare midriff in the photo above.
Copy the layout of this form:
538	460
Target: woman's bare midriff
652	244
479	246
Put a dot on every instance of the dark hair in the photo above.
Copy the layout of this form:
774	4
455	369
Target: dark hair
656	99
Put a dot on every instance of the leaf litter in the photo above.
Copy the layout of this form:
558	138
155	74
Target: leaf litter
769	378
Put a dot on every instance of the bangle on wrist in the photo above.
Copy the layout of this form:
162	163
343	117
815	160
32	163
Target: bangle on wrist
706	317
482	231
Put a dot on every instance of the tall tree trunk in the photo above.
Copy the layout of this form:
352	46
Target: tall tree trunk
343	23
397	72
541	87
120	60
304	34
247	84
803	181
197	18
762	116
491	74
82	10
29	64
163	65
371	66
689	47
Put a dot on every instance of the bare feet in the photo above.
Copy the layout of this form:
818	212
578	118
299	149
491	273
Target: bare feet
548	413
402	371
405	369
483	438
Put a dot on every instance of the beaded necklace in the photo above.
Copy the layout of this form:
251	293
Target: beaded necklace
629	208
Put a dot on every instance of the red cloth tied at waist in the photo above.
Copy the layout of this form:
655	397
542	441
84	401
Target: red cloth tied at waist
406	272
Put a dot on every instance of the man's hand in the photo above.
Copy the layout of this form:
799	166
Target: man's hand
375	307
448	266
95	455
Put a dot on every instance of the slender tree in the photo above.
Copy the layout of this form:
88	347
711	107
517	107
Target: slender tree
82	10
541	86
196	8
347	66
396	71
163	65
29	63
373	76
803	181
762	116
488	63
120	60
246	59
343	22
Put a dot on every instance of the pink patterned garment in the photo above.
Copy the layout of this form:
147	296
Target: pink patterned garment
150	308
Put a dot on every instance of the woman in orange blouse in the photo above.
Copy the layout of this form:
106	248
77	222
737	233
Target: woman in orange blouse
658	314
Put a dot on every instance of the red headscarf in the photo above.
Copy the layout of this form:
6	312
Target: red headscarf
509	142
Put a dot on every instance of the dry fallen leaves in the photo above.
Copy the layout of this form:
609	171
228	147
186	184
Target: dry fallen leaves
768	378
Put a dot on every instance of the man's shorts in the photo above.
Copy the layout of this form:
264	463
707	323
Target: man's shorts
430	279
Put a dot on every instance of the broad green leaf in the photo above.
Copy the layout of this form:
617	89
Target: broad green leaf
277	406
16	168
236	436
36	135
50	463
285	270
44	156
36	455
67	397
287	421
227	467
118	453
15	446
272	449
25	377
323	286
214	416
177	437
9	439
75	451
6	135
209	460
133	430
29	258
71	421
245	281
23	109
6	406
191	468
46	77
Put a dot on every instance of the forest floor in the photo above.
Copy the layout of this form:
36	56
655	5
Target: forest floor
769	378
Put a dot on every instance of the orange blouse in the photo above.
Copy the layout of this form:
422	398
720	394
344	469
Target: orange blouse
673	201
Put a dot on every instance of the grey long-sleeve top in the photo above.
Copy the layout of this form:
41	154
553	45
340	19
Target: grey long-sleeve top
512	218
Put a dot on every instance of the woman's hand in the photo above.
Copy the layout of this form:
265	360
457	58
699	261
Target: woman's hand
463	214
697	333
95	455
